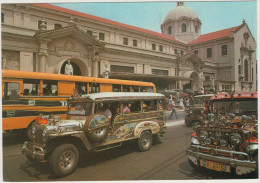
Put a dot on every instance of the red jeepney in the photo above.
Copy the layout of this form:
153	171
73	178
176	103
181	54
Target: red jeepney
229	138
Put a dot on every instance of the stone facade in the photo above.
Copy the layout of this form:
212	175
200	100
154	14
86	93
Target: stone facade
42	37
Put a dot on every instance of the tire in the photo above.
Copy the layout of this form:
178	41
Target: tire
98	135
157	139
193	165
64	159
145	141
188	122
255	158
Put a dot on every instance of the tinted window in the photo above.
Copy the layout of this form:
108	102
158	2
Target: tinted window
50	87
11	91
31	87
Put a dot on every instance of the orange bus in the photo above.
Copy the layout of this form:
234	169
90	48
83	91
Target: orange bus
26	95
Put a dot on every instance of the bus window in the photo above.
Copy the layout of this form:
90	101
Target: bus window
11	91
94	88
81	88
31	87
150	89
116	88
135	88
126	88
143	89
50	87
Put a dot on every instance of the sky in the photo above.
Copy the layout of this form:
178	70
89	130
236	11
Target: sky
214	15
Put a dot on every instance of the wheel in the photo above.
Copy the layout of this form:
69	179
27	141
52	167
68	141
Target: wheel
255	158
157	139
97	127
193	165
64	159
145	141
188	122
98	135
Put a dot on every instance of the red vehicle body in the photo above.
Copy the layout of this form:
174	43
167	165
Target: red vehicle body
229	139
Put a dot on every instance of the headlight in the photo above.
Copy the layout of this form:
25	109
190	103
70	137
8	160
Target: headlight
203	134
194	141
44	133
207	141
223	142
235	139
33	132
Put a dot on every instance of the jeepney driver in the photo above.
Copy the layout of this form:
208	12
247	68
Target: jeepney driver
105	111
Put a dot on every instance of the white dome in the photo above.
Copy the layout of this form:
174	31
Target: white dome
180	11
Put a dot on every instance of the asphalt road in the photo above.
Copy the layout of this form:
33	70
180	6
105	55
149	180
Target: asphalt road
164	161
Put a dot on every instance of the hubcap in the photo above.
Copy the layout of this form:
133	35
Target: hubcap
67	159
146	141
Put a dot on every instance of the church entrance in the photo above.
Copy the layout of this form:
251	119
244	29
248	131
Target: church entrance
193	84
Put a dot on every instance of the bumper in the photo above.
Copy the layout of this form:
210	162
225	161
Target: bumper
241	166
33	151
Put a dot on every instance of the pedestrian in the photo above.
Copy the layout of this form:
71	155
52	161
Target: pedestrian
187	102
173	109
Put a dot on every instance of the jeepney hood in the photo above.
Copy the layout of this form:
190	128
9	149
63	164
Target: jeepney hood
65	125
39	133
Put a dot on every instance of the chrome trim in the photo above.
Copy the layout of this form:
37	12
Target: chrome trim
227	160
36	152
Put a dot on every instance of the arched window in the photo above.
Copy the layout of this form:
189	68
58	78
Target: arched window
183	27
196	29
246	70
169	30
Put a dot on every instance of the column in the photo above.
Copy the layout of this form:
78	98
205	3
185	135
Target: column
43	56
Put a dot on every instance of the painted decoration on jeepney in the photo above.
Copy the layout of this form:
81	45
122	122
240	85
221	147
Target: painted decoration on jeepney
138	116
97	121
147	125
123	132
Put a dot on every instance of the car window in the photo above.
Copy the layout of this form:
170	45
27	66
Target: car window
149	105
238	107
80	108
221	107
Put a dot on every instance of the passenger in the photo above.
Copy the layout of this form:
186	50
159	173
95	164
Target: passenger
105	111
126	110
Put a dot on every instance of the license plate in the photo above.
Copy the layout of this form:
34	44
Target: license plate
213	166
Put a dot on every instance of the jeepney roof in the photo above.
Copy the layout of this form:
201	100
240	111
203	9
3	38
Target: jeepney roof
116	96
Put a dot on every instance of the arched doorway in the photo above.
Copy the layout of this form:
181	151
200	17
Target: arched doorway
76	69
193	84
80	67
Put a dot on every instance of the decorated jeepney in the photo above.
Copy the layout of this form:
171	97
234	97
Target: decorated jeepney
228	142
196	114
95	122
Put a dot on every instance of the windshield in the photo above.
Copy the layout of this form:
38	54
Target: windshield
243	107
80	108
237	107
199	100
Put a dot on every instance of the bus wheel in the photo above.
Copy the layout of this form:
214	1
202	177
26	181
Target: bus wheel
64	159
145	141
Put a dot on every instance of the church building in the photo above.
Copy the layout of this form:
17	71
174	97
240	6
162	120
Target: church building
51	39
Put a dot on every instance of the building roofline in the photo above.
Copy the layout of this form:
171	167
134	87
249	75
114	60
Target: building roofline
216	35
104	20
